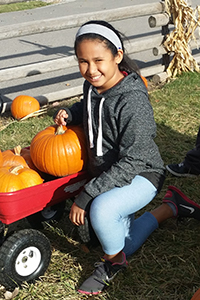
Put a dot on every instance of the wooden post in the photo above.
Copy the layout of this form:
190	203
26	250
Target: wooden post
159	50
165	57
160	77
158	20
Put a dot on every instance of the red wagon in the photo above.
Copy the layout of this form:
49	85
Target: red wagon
25	255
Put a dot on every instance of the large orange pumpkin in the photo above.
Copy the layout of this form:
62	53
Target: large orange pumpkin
59	150
13	157
24	105
1	158
18	178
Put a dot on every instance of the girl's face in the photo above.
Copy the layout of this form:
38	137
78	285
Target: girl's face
98	65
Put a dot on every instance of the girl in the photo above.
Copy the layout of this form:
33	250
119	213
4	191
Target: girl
124	162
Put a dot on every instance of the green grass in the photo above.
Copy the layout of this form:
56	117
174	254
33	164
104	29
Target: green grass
21	6
166	267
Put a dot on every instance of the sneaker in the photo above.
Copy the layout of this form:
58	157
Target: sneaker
180	170
185	208
105	271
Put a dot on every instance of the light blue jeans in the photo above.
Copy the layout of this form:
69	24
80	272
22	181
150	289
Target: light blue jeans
112	216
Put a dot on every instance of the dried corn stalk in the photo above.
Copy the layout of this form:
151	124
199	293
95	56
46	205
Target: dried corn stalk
33	114
185	20
36	113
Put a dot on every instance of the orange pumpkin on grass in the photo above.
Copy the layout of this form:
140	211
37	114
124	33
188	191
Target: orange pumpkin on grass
59	150
23	105
17	178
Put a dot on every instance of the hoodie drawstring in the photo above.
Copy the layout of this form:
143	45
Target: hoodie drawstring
90	128
91	136
100	135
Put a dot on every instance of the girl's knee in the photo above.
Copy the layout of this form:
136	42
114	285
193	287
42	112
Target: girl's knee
100	211
98	207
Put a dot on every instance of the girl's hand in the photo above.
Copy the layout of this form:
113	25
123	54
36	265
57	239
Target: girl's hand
77	215
60	117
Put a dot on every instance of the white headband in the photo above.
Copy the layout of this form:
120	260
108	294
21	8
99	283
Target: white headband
101	30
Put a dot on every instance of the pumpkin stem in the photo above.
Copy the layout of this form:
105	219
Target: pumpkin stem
17	150
60	130
15	169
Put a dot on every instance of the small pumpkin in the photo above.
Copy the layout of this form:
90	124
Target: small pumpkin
1	158
17	178
25	153
23	105
59	150
13	157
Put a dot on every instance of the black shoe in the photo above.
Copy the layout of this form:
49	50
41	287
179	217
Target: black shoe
104	273
185	208
180	170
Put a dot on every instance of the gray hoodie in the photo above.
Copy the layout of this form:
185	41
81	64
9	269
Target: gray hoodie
120	131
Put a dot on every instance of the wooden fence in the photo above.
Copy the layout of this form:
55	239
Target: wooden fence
157	18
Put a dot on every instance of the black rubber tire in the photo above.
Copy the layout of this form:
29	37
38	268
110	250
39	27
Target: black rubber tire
2	237
87	234
52	213
24	256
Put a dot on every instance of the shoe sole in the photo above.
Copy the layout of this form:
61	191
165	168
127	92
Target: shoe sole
180	175
89	293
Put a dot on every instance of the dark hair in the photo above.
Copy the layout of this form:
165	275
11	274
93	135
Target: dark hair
127	64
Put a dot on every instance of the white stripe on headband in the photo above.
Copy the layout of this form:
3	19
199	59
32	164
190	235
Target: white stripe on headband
101	30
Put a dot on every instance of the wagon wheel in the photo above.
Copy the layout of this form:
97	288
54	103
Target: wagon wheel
48	214
2	237
24	256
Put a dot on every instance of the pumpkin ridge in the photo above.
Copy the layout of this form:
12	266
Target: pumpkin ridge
75	148
39	148
65	162
50	152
